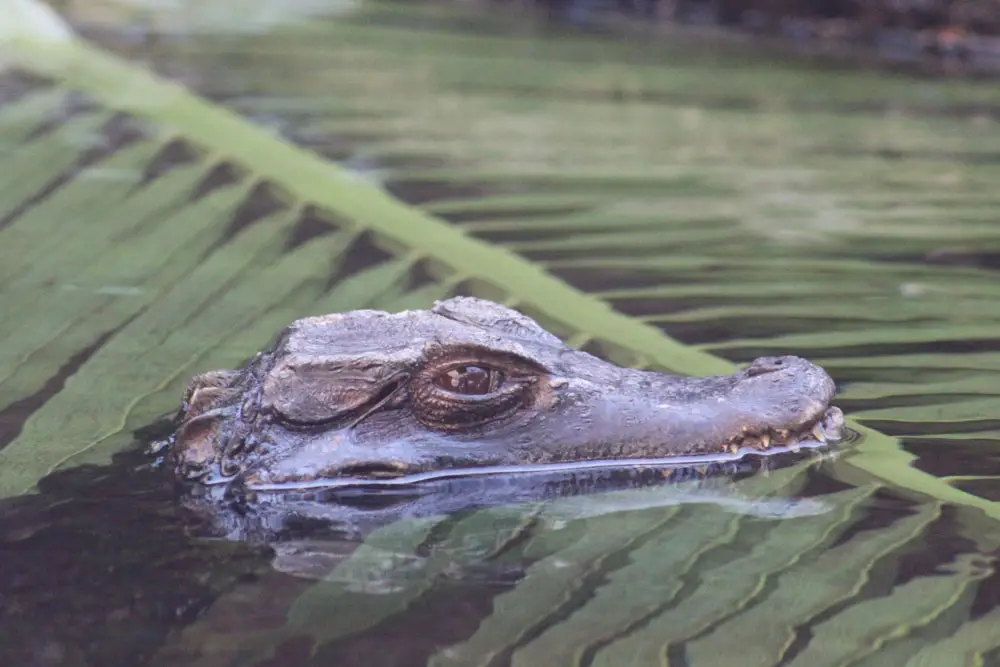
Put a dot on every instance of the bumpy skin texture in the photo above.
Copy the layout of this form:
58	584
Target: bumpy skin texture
470	383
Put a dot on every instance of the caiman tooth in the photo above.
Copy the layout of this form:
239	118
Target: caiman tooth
765	441
819	433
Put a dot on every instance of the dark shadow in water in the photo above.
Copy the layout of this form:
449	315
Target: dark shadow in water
97	568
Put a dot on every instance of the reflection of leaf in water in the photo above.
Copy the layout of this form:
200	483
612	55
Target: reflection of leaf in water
736	595
638	559
553	580
763	632
375	581
372	591
733	580
399	563
965	647
395	566
873	623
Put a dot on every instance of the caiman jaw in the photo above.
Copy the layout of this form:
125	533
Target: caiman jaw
827	428
369	395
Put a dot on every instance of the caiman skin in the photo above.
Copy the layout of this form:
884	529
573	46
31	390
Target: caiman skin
368	394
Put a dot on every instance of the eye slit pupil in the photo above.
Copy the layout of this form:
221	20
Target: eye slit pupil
470	380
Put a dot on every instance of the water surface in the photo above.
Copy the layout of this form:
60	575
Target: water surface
745	206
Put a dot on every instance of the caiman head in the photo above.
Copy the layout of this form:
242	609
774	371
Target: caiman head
469	383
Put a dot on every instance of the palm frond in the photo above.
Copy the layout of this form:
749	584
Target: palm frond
148	233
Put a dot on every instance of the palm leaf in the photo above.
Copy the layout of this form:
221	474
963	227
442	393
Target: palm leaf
196	235
257	195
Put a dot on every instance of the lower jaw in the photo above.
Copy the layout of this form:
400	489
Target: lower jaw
569	467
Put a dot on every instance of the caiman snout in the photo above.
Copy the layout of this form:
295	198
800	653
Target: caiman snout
799	394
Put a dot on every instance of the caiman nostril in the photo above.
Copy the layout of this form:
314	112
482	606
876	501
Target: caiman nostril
766	365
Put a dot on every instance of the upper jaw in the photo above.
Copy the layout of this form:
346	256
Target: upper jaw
774	401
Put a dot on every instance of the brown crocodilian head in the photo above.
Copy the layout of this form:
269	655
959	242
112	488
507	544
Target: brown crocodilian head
368	394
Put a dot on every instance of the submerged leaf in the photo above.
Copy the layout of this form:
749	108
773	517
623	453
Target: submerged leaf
148	234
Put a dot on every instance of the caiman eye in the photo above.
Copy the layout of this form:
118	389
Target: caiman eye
470	380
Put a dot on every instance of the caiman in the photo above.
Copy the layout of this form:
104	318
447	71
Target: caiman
468	384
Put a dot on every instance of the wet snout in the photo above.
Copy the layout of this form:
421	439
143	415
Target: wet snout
774	401
785	399
788	384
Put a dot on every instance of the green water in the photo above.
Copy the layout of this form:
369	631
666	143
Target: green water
742	205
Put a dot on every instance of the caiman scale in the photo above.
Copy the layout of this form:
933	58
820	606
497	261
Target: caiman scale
469	383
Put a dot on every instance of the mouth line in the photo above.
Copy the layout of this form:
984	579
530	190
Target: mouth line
666	463
827	427
796	441
373	470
